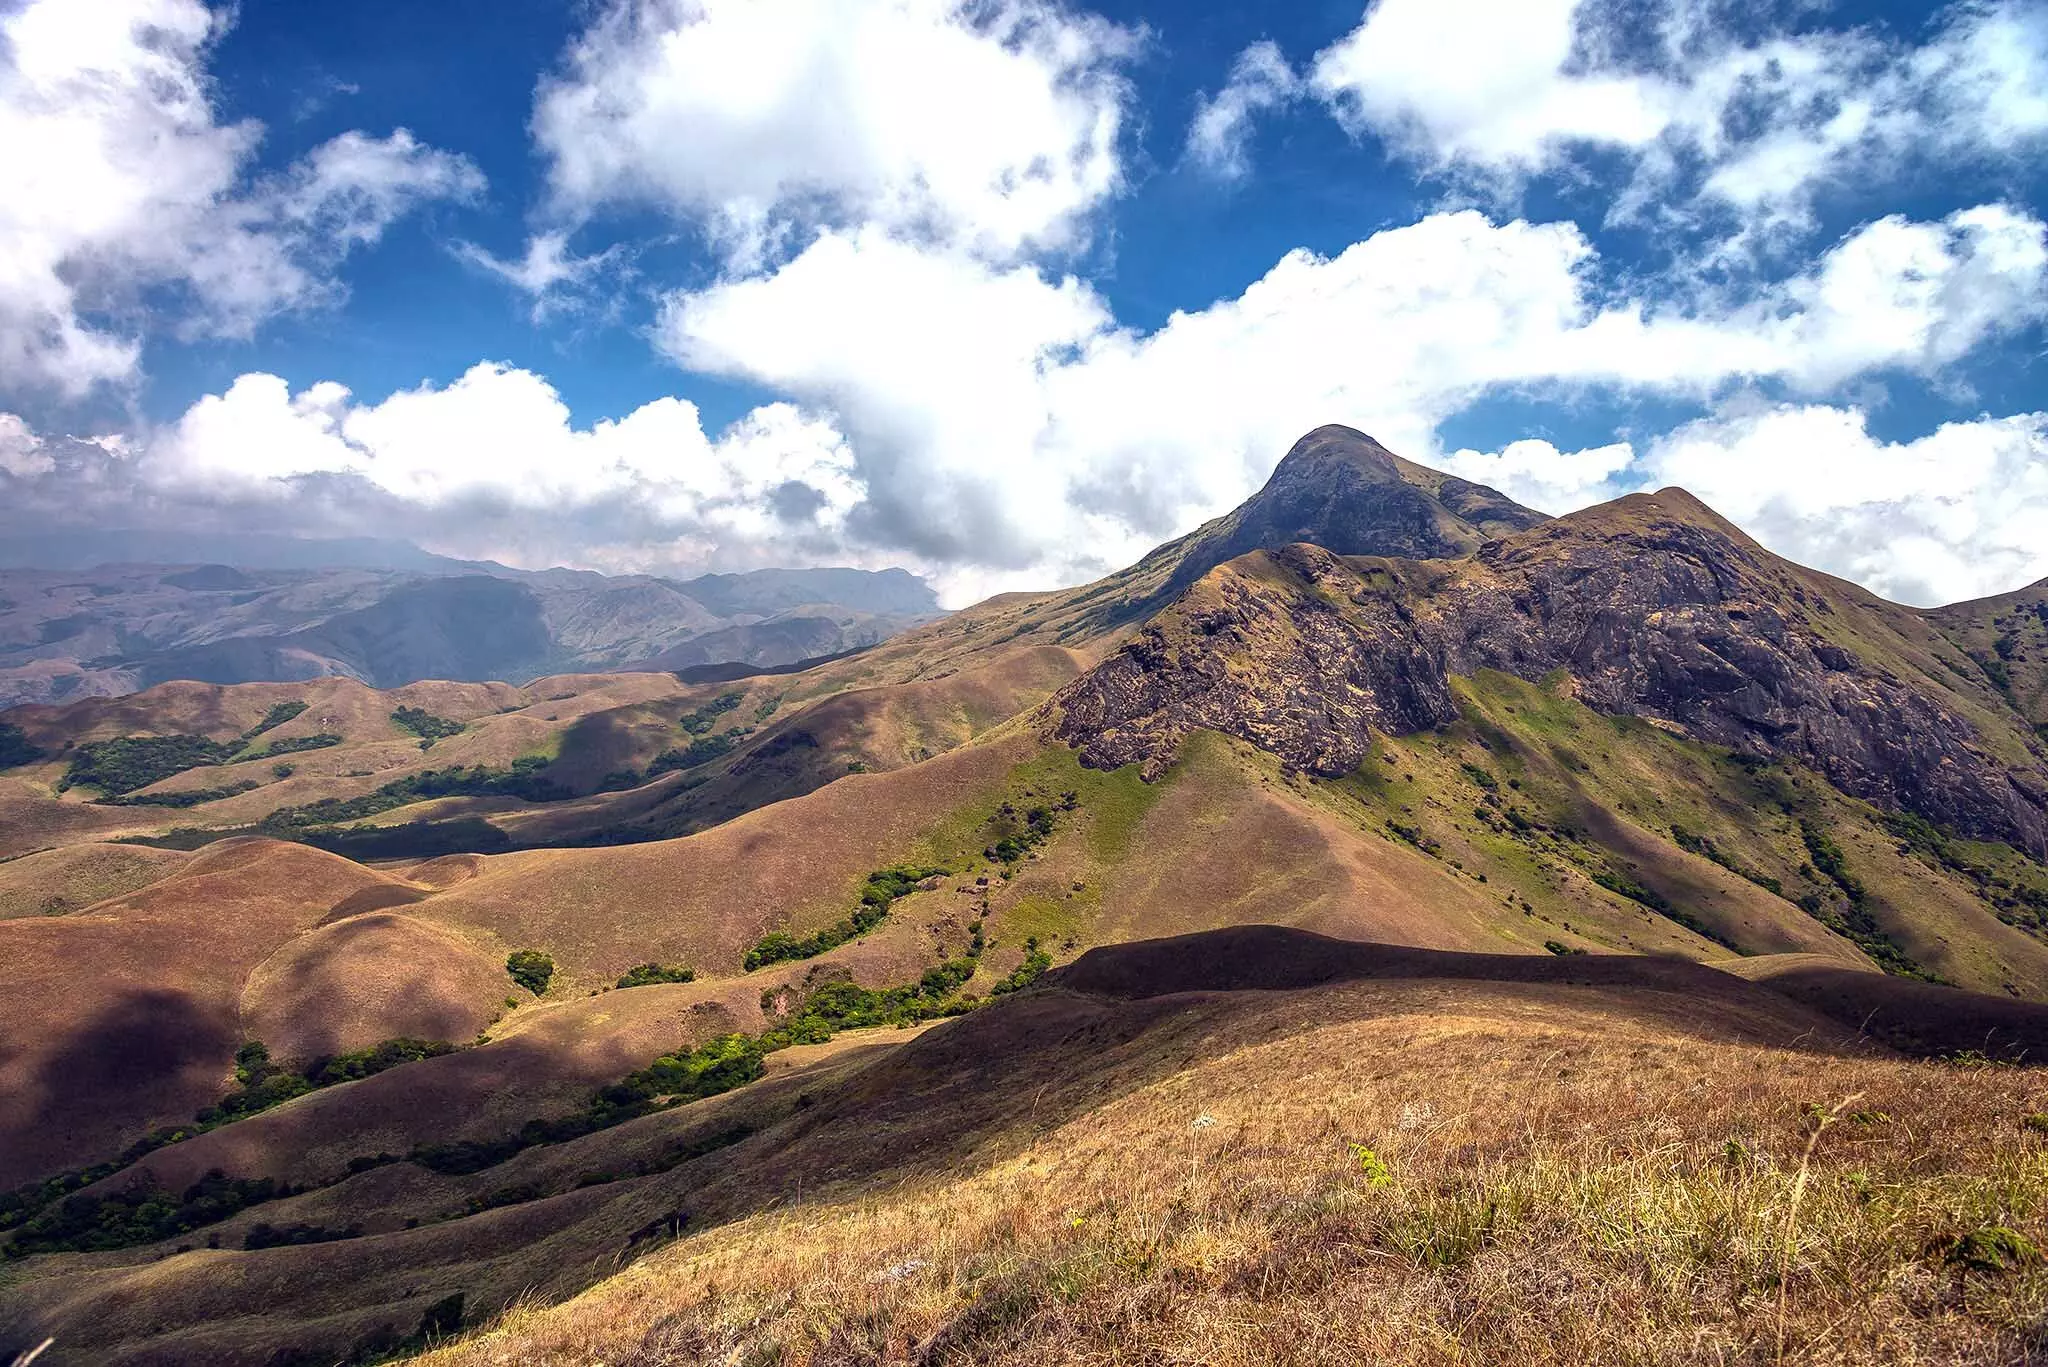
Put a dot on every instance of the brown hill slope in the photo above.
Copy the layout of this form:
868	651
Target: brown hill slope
1216	1077
131	1010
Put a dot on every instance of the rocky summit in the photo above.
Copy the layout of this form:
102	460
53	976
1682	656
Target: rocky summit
1340	489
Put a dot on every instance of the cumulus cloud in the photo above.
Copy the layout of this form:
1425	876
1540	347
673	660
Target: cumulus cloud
123	181
987	126
1752	120
995	426
1260	80
21	450
1476	82
501	437
1009	431
1959	513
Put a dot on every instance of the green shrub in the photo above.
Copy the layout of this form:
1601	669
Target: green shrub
14	747
266	1235
882	888
260	1083
526	780
645	975
1859	925
701	721
424	724
369	1062
140	1213
1991	1249
702	750
187	797
1036	962
274	718
293	745
126	763
531	969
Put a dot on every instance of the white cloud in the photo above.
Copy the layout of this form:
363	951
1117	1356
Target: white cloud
1959	513
121	181
996	427
548	272
501	438
21	450
1009	432
1751	123
1260	80
1534	472
1480	82
991	126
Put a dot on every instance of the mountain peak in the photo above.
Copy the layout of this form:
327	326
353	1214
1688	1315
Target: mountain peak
1339	489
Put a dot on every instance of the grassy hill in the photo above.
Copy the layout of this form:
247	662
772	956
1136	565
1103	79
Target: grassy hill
1222	1135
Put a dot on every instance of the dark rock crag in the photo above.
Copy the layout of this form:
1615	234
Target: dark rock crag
1652	606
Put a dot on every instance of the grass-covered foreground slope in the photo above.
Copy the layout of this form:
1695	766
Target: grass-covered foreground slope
1273	1201
1301	1149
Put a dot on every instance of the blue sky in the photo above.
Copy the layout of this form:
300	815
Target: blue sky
1008	292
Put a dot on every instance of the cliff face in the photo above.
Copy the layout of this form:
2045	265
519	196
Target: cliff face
1651	606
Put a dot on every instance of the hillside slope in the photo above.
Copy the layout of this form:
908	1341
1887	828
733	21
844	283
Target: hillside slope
1200	1147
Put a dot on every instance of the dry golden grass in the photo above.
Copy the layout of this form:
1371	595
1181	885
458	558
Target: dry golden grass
126	1016
1561	1186
76	876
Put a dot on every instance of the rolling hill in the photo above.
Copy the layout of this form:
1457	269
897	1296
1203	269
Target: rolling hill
1028	985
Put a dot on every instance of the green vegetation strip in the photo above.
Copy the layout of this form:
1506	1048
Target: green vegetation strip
1857	925
424	724
49	1216
188	797
883	887
648	975
57	1216
14	747
126	763
701	721
524	780
2017	892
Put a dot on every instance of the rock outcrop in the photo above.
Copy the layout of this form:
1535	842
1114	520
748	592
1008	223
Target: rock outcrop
1653	606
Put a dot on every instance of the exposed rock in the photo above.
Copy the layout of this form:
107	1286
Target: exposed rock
1654	607
1343	491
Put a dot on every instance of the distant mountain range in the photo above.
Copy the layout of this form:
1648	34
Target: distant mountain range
104	614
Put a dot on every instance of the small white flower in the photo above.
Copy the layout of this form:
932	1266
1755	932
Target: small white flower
1203	1121
900	1270
1416	1113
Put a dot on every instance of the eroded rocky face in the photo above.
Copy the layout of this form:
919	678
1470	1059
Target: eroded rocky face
1652	606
